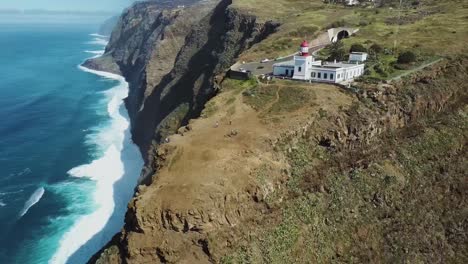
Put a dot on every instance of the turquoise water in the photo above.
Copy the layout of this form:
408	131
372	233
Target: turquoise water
67	165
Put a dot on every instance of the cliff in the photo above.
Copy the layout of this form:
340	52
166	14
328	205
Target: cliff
170	55
281	172
217	194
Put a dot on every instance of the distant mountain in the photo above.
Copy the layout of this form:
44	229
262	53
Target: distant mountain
108	25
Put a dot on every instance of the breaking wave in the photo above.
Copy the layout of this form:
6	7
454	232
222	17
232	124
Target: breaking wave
95	52
115	173
34	199
99	41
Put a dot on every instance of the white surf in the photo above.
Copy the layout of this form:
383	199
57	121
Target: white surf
115	173
33	199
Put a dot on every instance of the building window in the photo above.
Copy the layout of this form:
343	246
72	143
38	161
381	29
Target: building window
331	76
313	75
325	75
300	69
319	75
287	72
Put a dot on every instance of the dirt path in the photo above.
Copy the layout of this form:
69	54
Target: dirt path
270	105
396	78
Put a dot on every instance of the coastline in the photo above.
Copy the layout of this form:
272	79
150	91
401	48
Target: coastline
115	172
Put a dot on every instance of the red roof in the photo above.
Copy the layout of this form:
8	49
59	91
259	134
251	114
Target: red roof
305	44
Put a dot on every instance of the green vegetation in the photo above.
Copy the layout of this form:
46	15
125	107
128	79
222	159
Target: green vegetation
275	99
375	49
431	27
336	51
259	97
387	210
406	57
292	98
357	47
210	109
400	200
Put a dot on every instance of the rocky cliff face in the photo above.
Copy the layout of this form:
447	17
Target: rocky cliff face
170	55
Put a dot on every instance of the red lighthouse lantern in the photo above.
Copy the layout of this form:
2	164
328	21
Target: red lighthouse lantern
305	48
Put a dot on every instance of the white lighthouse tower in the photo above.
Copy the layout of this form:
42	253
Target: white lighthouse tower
303	63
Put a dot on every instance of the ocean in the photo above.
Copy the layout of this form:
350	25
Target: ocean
67	164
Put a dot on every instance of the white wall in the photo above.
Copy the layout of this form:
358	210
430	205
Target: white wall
302	66
281	70
358	57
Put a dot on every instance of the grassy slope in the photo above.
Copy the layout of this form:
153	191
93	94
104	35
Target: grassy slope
443	32
393	211
409	204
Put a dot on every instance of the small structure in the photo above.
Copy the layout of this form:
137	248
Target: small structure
304	67
357	57
284	69
351	2
299	68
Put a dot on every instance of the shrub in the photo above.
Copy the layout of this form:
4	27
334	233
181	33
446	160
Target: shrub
357	47
406	57
376	48
337	51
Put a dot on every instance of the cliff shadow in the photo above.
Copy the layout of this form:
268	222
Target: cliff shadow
209	48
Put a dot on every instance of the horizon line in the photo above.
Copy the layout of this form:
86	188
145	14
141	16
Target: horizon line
14	11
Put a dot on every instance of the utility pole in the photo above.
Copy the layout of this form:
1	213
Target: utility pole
398	28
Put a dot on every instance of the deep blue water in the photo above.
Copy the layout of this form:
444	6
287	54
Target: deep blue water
55	117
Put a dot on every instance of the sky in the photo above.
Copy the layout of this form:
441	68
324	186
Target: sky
69	5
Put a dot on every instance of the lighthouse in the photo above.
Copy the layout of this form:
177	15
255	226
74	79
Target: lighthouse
303	62
304	48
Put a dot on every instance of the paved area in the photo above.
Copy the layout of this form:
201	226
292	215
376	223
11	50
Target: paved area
259	68
322	40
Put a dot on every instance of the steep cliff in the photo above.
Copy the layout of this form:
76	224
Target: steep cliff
258	194
170	55
278	172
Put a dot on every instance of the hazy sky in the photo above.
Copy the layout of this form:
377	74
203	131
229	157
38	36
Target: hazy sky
72	5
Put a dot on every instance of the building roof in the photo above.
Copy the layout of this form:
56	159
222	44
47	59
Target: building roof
359	53
337	65
285	64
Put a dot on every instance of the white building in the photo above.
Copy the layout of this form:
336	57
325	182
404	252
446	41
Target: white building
357	57
304	67
300	67
336	72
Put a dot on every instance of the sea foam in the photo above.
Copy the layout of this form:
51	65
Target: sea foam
98	41
98	35
95	52
34	199
115	173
